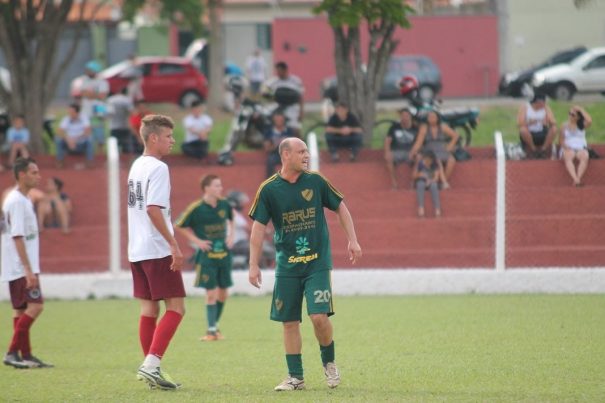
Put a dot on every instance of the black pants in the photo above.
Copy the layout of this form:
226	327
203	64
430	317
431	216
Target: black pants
126	141
196	149
352	142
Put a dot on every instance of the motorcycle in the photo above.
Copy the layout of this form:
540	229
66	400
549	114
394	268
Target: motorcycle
250	122
465	119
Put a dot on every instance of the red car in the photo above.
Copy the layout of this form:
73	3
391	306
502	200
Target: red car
164	79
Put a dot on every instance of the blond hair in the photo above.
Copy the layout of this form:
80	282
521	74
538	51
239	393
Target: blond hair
153	124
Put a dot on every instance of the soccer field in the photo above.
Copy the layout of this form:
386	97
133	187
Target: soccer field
431	348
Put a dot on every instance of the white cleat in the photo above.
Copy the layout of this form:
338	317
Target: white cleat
332	375
290	383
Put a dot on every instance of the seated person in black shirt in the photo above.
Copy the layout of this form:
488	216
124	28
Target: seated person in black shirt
273	136
398	143
343	131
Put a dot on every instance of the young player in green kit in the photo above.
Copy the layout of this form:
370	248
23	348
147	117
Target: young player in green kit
294	200
208	224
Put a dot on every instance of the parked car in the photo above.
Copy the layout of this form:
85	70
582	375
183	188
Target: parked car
584	74
164	79
518	83
421	67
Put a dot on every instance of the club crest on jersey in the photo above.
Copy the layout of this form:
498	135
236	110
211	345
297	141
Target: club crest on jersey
279	304
307	194
221	213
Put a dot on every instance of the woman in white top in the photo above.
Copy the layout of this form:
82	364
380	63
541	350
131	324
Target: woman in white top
572	141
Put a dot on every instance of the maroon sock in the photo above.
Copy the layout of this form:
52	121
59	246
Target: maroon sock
147	326
164	332
20	339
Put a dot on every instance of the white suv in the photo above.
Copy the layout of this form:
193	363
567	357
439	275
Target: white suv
585	73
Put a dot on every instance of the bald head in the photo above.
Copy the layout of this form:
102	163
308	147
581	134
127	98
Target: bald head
288	143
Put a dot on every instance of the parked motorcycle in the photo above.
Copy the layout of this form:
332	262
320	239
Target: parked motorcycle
250	122
457	118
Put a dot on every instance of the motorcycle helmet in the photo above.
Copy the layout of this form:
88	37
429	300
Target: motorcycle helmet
408	85
93	66
236	85
237	199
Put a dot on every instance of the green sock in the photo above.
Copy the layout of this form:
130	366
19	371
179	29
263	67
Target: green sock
219	309
211	317
295	368
327	353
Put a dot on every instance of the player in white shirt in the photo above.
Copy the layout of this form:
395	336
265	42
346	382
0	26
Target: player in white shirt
197	126
154	255
20	263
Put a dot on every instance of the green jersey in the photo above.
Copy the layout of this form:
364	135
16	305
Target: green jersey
209	223
296	209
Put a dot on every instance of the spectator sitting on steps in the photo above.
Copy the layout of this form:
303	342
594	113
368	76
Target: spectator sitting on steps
398	143
537	127
343	131
428	171
273	136
197	126
74	136
17	137
572	142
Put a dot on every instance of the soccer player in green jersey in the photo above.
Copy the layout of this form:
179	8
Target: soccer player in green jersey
294	201
208	224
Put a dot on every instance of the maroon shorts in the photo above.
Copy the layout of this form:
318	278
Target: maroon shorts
153	280
21	296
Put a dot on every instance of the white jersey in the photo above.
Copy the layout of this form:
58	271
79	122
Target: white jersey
195	123
19	220
148	185
535	118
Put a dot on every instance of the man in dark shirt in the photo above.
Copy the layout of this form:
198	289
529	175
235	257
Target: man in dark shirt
344	131
398	143
273	136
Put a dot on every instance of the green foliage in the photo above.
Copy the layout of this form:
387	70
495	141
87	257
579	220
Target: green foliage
352	12
182	12
473	348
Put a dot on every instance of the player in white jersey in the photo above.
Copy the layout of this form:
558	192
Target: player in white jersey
154	255
20	264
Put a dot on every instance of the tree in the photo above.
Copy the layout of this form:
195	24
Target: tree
359	82
29	37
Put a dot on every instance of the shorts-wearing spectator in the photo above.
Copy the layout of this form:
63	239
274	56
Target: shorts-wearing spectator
17	138
537	127
197	129
74	136
440	139
573	145
273	136
343	131
119	107
398	143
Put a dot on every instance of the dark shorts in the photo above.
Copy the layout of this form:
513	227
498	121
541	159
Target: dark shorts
401	156
21	296
538	137
153	280
288	294
213	273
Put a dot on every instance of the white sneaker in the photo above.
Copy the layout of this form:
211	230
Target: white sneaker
332	375
290	383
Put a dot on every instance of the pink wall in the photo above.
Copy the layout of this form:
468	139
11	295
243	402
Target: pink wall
465	48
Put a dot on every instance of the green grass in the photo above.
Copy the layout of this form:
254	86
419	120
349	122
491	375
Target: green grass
533	348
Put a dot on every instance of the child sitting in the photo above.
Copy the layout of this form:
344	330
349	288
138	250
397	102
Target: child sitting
17	138
428	172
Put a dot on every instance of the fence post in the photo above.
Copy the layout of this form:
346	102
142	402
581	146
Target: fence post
313	151
500	203
113	191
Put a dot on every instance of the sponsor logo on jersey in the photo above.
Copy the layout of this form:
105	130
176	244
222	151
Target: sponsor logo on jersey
307	194
303	259
302	245
298	215
217	255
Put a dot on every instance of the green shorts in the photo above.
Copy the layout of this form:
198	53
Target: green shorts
288	294
213	273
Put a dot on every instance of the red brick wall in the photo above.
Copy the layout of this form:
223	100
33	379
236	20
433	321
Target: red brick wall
464	47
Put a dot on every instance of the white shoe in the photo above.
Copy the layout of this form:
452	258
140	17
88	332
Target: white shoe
290	383
332	375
